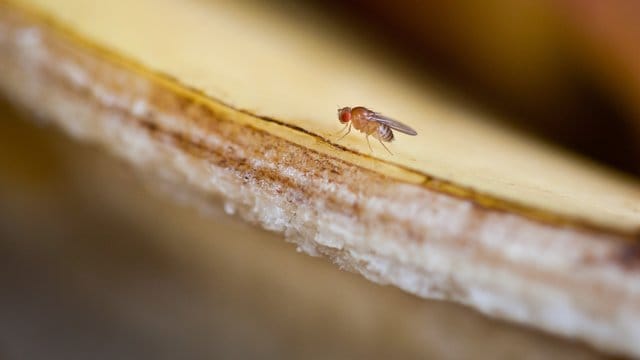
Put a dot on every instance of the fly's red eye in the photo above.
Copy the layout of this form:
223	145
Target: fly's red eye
345	116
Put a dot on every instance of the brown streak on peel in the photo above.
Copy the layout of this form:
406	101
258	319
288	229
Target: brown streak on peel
628	256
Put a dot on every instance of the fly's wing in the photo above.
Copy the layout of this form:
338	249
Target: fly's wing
395	125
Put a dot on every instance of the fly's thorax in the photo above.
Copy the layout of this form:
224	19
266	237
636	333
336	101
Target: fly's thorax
359	119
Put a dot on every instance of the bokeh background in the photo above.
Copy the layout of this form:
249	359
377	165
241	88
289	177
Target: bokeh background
567	71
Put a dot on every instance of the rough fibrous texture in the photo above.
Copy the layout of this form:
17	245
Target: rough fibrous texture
568	280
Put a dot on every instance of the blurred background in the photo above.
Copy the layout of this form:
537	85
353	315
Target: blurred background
94	264
567	71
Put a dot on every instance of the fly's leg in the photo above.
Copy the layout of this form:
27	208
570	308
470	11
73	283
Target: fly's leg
345	126
348	131
368	143
381	143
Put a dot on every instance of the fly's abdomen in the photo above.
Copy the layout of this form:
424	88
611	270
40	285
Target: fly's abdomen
385	133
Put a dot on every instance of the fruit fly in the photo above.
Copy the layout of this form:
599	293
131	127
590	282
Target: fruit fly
371	123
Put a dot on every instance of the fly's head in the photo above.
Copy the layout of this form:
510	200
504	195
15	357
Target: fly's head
344	115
